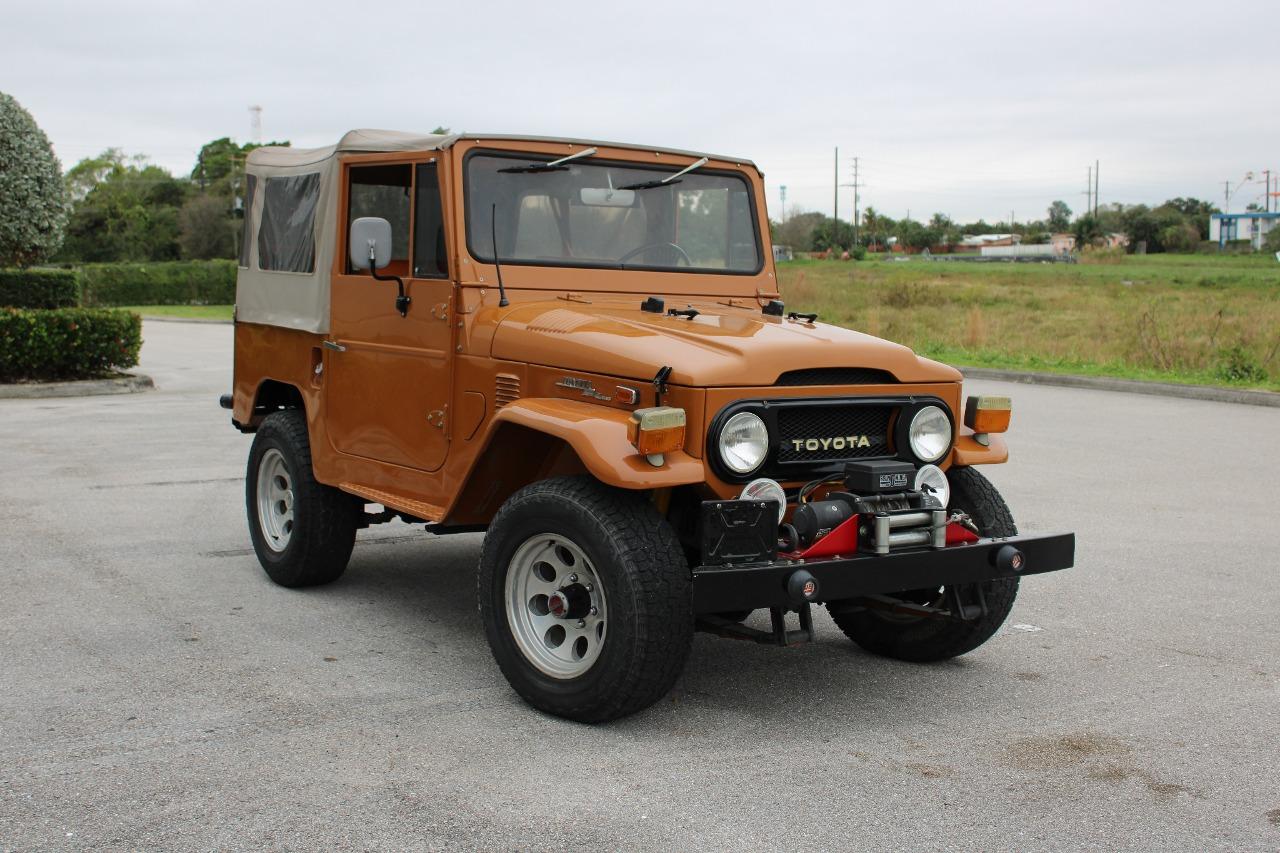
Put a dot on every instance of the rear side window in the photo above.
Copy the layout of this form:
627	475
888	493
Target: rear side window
287	235
246	227
428	243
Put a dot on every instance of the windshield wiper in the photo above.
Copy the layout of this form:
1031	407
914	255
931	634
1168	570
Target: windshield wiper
553	166
668	180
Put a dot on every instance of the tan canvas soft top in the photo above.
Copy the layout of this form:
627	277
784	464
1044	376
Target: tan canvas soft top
300	300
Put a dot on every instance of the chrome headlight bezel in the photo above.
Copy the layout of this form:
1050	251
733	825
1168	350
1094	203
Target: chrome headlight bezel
742	464
930	433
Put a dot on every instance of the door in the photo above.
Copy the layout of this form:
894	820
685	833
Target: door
387	377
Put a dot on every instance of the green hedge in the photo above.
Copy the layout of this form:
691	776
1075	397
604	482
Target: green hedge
67	343
164	283
38	288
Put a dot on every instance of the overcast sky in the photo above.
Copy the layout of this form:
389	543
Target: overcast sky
974	109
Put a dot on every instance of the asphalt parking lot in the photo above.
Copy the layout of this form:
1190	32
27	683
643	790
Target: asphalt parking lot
156	691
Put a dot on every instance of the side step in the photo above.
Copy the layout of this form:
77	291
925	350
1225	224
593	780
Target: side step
418	509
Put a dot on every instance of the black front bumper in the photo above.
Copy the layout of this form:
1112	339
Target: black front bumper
719	589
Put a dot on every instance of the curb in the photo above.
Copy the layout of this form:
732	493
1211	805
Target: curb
1131	386
155	318
129	383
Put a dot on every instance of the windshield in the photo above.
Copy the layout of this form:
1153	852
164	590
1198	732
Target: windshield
595	213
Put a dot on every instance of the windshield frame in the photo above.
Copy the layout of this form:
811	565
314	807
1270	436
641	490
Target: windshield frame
664	169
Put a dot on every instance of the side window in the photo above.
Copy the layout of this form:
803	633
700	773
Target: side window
382	191
246	227
287	235
429	253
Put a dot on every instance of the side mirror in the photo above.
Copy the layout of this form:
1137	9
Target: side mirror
370	243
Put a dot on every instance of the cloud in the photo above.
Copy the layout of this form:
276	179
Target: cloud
972	109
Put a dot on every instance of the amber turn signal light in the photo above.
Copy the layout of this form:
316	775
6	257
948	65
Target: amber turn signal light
987	414
657	430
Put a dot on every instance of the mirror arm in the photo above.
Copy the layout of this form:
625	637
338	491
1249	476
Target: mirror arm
402	301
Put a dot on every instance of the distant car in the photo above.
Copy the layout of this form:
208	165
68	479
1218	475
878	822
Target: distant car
581	349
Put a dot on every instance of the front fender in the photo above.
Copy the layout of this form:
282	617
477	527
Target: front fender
598	435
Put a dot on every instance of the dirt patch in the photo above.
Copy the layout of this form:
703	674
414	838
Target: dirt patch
1028	676
1274	817
1046	753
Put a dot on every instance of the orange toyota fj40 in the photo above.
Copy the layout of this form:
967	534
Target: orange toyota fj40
581	349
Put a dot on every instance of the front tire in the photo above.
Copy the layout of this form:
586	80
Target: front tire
302	531
925	639
585	597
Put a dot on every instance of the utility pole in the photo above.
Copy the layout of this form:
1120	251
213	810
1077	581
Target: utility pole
1266	196
783	189
1097	168
1088	192
835	192
855	199
1226	196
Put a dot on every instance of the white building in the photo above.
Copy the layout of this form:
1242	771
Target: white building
1252	226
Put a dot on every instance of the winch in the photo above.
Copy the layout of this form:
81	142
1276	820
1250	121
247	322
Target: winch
884	506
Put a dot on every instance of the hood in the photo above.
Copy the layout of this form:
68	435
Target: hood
721	347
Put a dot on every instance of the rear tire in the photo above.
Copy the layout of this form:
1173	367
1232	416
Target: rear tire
925	639
302	531
610	553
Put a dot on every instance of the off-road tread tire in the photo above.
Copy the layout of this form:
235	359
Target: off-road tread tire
927	640
325	518
637	555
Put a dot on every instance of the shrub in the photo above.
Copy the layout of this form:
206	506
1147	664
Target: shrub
859	253
1236	364
167	283
38	288
33	200
67	343
1272	241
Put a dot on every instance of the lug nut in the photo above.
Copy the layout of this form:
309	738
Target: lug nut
582	623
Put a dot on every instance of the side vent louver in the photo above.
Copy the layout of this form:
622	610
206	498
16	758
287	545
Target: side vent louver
507	389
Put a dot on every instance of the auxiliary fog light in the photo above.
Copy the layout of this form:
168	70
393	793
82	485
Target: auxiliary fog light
765	489
931	481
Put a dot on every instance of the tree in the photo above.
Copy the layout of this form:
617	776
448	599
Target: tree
1196	211
1272	241
205	229
220	165
1059	216
33	200
797	231
917	236
834	234
1087	231
129	214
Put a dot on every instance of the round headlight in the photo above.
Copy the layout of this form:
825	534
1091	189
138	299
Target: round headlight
931	481
930	434
744	443
765	489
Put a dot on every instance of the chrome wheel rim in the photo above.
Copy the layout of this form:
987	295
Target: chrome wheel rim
275	500
549	573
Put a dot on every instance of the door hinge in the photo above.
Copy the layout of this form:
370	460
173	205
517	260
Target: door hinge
333	345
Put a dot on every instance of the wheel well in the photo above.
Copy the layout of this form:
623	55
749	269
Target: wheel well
274	396
514	457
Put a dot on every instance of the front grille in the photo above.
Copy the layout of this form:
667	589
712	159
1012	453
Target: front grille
837	376
834	425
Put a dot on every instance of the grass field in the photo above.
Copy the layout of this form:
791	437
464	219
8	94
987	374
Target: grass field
1179	318
185	312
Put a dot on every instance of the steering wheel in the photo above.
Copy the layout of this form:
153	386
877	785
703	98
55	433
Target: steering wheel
683	254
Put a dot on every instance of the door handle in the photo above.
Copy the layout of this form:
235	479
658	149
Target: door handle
333	345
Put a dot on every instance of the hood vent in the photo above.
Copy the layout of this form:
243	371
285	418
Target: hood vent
506	390
837	376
